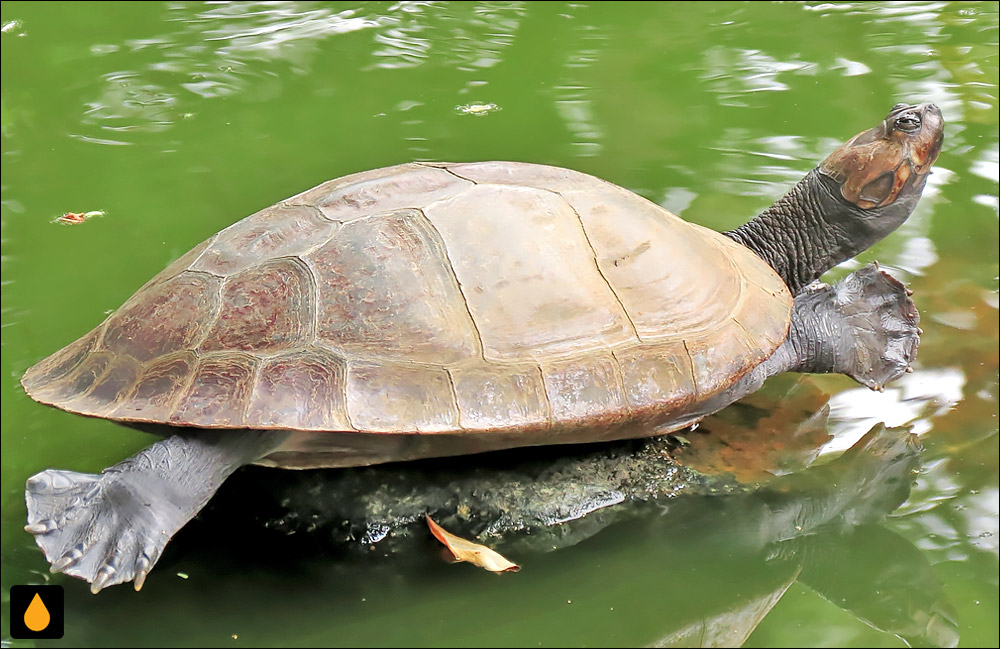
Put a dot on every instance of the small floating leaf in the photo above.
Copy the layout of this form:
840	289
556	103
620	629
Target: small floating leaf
71	218
474	553
75	218
477	109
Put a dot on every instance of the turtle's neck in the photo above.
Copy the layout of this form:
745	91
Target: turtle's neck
795	235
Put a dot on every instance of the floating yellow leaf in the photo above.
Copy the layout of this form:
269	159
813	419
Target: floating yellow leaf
474	553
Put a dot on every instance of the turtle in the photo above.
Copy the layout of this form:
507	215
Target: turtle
438	309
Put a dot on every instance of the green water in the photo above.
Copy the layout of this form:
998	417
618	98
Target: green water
178	119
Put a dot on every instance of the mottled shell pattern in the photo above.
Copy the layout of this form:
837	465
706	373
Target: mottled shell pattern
484	298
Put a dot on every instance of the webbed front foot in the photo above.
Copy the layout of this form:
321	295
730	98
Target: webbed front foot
884	319
865	327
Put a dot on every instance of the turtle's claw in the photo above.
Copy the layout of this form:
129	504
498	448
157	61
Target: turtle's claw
100	582
66	561
104	576
69	559
145	563
41	527
142	568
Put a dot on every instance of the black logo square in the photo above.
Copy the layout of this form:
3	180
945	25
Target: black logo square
36	612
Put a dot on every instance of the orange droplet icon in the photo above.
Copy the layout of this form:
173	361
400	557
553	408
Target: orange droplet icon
37	616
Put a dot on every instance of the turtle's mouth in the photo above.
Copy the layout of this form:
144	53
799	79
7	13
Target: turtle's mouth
878	166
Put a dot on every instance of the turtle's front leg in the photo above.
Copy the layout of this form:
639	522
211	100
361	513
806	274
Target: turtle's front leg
865	327
111	528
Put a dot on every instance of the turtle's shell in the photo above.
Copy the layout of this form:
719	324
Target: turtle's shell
477	298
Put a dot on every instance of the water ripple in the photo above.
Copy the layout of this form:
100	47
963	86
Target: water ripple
224	50
462	36
215	52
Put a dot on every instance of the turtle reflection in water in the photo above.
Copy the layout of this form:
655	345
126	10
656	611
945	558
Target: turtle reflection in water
437	309
723	554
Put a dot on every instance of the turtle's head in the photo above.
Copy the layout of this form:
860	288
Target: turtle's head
890	163
863	191
871	184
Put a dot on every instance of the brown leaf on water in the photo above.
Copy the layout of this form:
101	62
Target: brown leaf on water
72	218
76	218
474	553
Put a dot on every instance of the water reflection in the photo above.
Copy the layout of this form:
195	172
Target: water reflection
218	51
464	36
913	399
917	254
988	165
727	560
13	27
777	161
734	73
901	594
905	11
214	51
573	97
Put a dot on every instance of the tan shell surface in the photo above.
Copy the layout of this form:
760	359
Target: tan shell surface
433	298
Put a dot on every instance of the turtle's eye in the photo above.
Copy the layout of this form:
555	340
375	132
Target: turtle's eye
908	122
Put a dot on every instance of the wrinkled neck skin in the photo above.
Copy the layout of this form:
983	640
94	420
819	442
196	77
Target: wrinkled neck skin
812	228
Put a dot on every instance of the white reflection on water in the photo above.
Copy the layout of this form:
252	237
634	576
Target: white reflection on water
851	68
988	164
266	31
676	199
912	250
400	46
574	96
981	513
464	36
13	27
945	518
917	254
913	400
579	117
780	161
902	10
734	73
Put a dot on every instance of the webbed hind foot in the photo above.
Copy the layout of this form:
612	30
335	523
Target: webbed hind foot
111	528
104	528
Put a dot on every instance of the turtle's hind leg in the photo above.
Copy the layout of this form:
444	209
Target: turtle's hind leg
111	528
